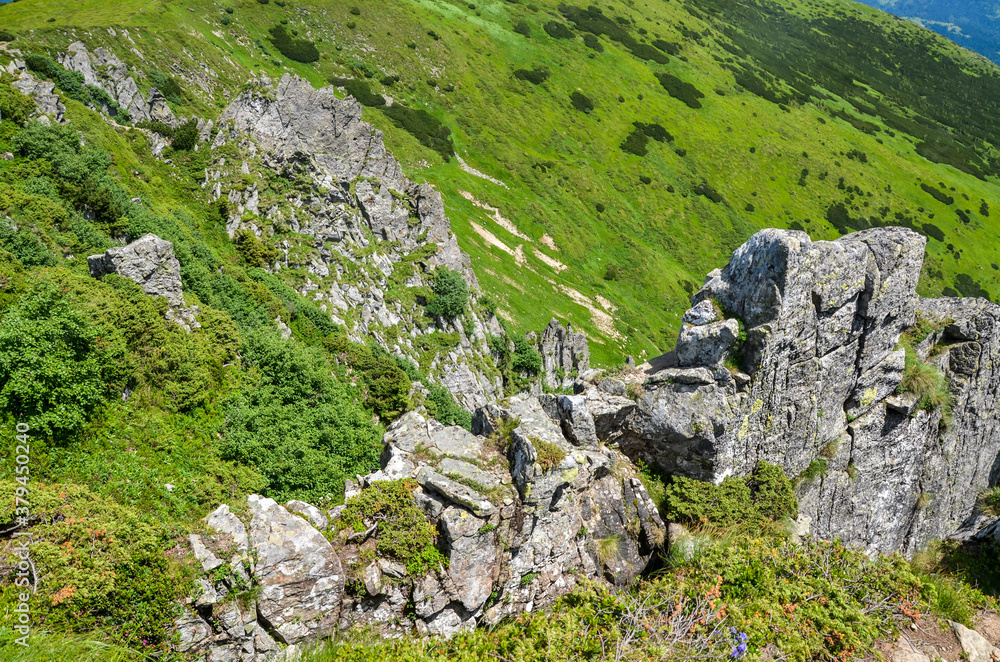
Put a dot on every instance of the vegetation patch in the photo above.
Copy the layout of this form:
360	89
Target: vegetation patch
72	84
927	383
424	127
681	90
402	532
766	496
557	30
549	455
535	76
451	294
292	47
359	89
581	102
937	194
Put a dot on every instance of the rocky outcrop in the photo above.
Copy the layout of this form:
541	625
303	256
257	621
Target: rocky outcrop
523	512
803	369
42	92
565	354
362	231
103	69
149	261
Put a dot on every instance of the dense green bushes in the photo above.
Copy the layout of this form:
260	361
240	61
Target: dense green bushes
424	127
763	497
402	531
359	89
14	106
581	102
535	76
167	86
56	366
298	426
557	30
255	252
294	48
451	294
681	90
99	566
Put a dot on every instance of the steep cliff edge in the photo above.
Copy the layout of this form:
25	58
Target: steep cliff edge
792	354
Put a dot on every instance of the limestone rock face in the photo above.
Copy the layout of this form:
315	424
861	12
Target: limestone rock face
43	93
148	261
820	381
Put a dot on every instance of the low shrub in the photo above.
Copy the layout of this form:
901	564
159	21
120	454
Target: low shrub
294	48
535	76
763	497
424	127
56	365
593	43
525	358
167	86
359	89
185	136
681	90
522	28
298	426
253	251
100	566
451	294
557	30
15	106
581	102
401	530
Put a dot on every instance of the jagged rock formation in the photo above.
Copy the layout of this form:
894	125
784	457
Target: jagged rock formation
565	354
149	261
816	384
520	527
103	69
41	91
332	199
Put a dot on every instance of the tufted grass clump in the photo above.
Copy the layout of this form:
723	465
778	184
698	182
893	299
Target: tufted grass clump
402	532
989	501
927	383
549	455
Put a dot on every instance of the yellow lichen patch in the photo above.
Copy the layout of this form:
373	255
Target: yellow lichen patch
869	396
744	428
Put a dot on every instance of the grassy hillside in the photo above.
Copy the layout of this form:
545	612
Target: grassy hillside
826	116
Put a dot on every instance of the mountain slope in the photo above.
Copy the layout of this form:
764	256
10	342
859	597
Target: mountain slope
811	114
974	25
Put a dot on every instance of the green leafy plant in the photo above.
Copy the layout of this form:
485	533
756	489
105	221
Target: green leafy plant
451	294
763	497
292	47
402	532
